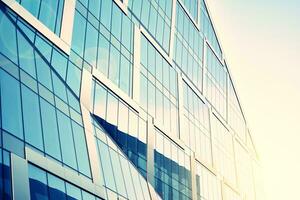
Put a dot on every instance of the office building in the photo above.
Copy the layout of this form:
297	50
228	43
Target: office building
119	99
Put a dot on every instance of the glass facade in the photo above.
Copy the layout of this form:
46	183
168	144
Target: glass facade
132	100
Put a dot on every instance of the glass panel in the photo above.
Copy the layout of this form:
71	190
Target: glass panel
56	188
112	109
74	78
106	13
125	75
81	149
11	104
38	183
66	138
78	33
100	101
90	52
73	193
26	55
43	72
48	12
8	47
50	130
118	173
103	54
32	120
114	65
106	165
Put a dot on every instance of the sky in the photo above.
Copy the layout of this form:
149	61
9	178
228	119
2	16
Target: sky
261	42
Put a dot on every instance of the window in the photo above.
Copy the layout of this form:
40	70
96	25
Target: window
31	117
66	138
81	149
106	165
8	47
106	13
74	78
90	50
5	175
38	183
56	188
50	130
44	185
100	101
78	33
103	54
48	12
112	107
11	105
26	56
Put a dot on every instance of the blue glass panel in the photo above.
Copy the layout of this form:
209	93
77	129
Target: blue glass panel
90	51
59	17
94	7
44	47
43	72
81	149
5	176
66	139
73	192
48	12
100	101
74	78
114	65
11	104
116	22
78	33
106	13
59	62
103	54
87	196
26	55
59	88
106	165
125	75
127	32
118	173
57	189
38	183
50	130
32	120
32	6
8	47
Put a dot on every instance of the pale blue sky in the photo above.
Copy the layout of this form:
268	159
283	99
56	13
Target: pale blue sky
261	41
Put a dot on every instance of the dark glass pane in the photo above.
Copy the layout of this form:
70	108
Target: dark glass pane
56	188
38	183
